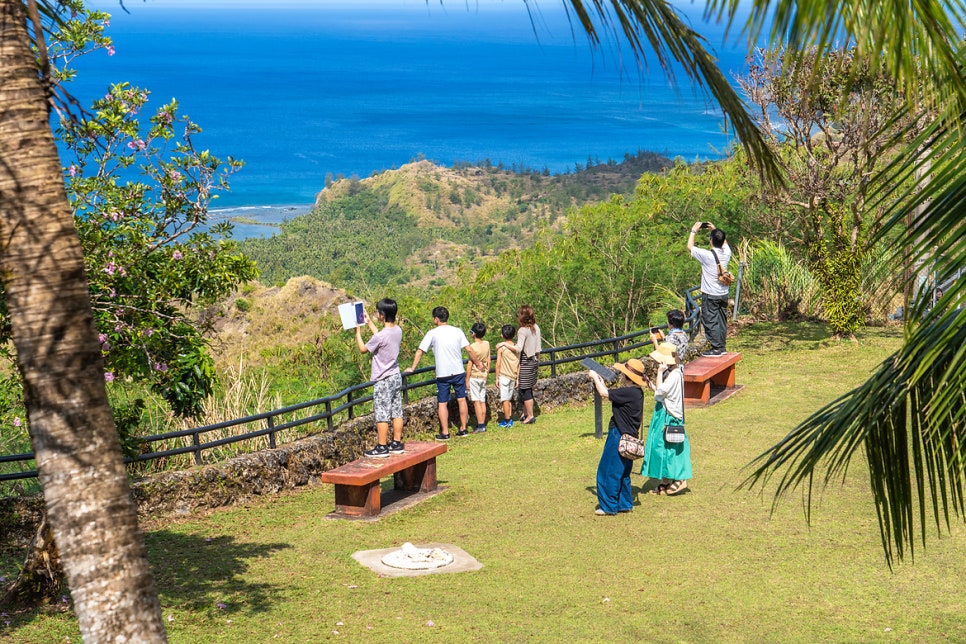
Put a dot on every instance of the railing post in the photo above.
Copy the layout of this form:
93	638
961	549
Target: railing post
598	414
271	433
741	270
617	350
197	444
553	363
405	389
348	400
328	413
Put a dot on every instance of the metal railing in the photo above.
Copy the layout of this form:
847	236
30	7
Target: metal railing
331	409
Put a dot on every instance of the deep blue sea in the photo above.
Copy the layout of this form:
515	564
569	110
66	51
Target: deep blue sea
300	90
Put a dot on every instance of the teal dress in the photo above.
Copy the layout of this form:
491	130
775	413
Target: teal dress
665	460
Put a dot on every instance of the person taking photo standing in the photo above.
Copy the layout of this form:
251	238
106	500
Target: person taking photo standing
714	294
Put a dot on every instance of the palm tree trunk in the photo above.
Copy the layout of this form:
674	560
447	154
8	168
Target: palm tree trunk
77	450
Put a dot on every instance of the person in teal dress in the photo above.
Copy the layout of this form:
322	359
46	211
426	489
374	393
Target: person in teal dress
669	464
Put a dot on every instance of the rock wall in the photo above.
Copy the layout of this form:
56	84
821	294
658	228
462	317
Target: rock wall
290	466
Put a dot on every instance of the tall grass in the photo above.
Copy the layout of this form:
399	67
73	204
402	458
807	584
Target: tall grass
241	394
777	286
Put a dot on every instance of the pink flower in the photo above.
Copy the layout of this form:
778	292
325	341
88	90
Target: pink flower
72	170
176	255
111	268
110	50
101	338
16	421
108	376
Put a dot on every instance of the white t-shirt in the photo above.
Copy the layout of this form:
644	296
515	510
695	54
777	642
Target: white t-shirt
671	392
709	268
447	343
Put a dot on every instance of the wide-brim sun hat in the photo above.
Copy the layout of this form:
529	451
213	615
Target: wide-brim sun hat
666	353
633	369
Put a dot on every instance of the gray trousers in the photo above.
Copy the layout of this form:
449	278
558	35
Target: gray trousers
714	317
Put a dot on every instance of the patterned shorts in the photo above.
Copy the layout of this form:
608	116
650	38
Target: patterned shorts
478	389
387	398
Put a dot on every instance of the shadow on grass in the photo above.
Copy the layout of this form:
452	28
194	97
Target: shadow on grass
638	492
207	574
775	336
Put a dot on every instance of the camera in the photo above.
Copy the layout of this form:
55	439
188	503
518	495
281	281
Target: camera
655	329
705	224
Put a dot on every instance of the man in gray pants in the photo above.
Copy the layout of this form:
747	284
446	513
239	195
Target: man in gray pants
714	294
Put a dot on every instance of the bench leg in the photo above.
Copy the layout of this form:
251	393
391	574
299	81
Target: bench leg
358	500
421	476
725	379
697	392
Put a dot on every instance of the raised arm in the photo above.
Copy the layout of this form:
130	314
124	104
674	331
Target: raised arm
362	345
694	230
372	325
599	384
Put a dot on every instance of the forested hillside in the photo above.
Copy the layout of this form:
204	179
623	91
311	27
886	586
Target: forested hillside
419	223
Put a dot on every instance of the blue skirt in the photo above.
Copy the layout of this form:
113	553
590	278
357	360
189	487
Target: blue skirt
665	460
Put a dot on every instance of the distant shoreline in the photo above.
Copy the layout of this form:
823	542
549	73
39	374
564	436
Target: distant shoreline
257	221
262	214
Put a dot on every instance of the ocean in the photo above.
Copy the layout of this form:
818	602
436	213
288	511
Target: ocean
302	91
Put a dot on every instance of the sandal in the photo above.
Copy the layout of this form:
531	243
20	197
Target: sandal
676	488
659	490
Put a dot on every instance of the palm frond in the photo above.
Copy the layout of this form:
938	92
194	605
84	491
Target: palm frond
906	38
654	27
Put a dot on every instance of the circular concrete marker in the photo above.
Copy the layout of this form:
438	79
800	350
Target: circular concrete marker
409	557
373	559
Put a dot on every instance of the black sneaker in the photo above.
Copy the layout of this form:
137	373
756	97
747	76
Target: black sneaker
712	353
463	432
442	437
379	451
479	429
396	447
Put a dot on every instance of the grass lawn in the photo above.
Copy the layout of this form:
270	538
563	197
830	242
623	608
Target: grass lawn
714	565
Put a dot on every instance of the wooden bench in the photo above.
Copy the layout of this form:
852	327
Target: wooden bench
701	373
357	489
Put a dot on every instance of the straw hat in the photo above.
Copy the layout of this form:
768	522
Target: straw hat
666	353
633	369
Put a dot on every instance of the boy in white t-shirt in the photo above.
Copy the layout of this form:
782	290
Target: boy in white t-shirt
447	344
